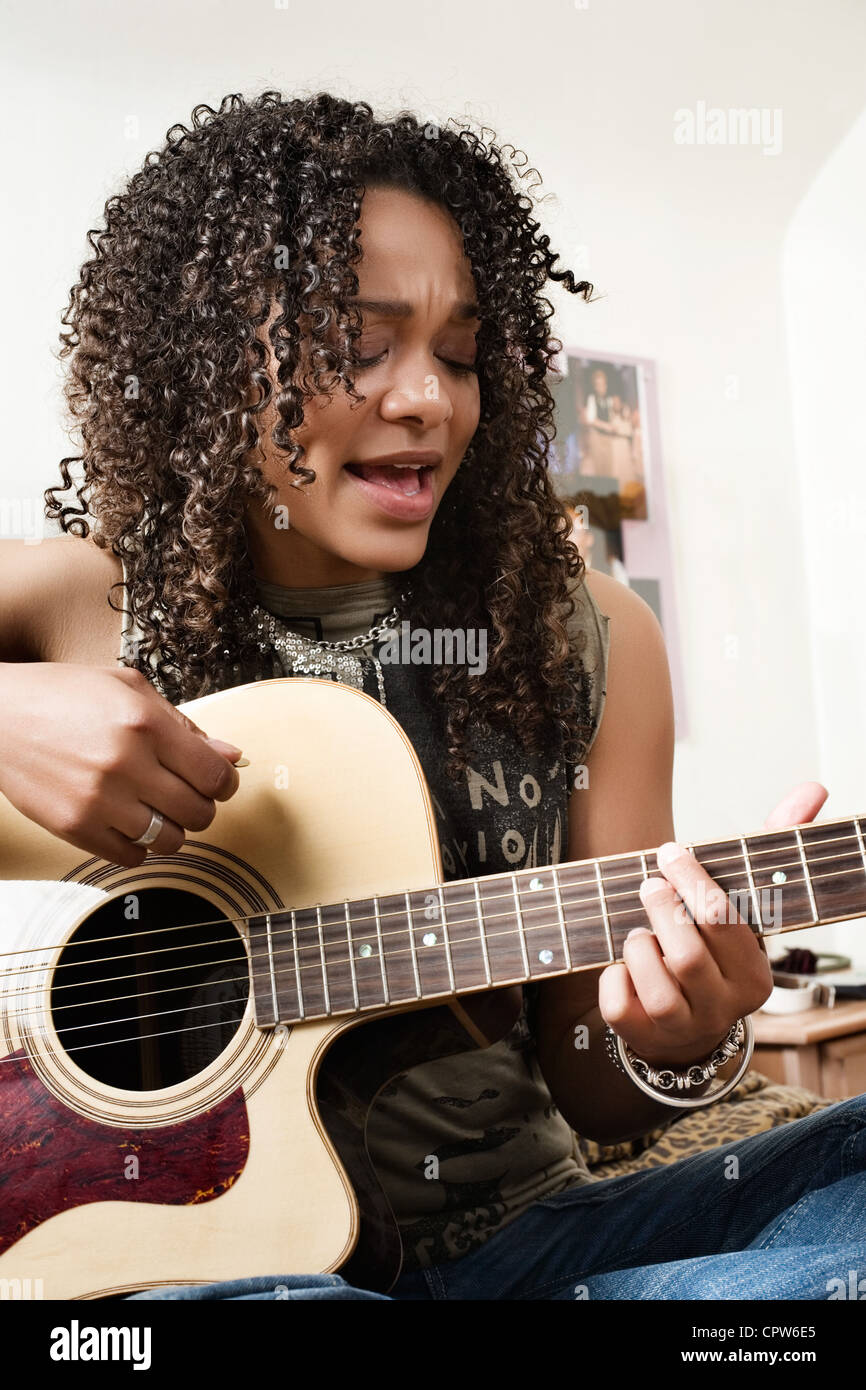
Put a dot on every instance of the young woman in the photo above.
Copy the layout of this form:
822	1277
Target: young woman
308	361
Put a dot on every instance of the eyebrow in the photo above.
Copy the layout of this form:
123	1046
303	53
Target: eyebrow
400	308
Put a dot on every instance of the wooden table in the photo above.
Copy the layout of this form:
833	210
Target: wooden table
822	1049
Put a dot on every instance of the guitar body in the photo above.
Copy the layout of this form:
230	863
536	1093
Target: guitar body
128	1161
158	1126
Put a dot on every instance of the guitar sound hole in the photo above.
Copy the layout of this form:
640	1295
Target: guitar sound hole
150	989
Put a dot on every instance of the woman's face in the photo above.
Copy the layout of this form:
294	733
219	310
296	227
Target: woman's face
364	515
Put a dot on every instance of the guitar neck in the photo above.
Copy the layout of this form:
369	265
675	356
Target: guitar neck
501	929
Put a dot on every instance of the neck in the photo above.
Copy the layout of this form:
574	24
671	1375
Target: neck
511	928
287	558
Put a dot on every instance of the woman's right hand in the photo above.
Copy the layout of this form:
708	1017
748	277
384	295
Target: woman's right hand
87	751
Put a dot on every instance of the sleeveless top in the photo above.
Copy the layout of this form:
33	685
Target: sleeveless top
463	1145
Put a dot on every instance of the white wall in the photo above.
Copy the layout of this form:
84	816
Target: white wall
684	243
824	279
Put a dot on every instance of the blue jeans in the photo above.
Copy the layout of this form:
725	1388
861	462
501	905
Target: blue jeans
781	1215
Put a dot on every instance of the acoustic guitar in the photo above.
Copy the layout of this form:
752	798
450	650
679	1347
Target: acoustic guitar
183	1088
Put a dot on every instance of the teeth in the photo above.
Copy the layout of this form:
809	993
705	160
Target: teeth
383	475
416	467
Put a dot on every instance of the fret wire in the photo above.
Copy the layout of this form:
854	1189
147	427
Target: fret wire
842	917
755	856
482	933
807	876
412	948
779	835
850	836
644	865
859	833
275	1004
387	995
719	859
301	1006
324	962
555	973
583	917
604	910
828	859
775	849
545	925
722	859
516	896
351	954
561	916
586	917
446	939
589	883
756	907
825	843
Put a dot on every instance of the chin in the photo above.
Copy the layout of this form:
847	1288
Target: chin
393	555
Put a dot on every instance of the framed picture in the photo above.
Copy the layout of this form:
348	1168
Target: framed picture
606	465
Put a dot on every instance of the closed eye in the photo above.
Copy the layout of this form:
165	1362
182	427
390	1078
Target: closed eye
459	368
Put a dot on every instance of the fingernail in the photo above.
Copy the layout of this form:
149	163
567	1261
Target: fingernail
228	750
650	886
638	931
668	852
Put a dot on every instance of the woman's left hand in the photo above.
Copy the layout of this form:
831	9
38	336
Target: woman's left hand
679	989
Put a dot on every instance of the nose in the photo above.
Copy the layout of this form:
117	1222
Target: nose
419	393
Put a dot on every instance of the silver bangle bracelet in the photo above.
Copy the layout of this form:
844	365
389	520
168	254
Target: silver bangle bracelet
661	1083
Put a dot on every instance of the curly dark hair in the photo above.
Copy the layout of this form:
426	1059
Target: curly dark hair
255	203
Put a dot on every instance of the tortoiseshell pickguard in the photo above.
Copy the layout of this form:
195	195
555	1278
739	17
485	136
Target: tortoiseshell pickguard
53	1159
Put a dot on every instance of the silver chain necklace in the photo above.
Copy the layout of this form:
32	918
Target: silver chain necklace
305	656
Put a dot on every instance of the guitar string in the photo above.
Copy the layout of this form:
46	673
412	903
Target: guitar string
484	879
558	869
312	927
167	970
369	1008
252	975
204	1027
139	1037
316	948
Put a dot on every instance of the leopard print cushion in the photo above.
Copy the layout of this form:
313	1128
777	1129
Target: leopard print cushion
755	1105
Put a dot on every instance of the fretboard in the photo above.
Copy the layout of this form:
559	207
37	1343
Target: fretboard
464	936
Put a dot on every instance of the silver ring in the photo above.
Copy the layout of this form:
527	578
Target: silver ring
156	823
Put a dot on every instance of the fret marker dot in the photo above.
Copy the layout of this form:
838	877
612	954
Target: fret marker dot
780	877
365	950
535	884
546	957
429	938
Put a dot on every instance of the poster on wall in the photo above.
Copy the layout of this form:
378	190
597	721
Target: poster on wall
606	465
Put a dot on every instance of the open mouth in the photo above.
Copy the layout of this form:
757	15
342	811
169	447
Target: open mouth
408	479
